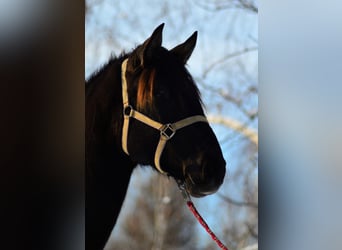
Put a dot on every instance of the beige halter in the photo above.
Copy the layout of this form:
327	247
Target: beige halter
167	131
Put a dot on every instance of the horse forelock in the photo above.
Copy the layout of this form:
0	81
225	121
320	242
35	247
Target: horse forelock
145	89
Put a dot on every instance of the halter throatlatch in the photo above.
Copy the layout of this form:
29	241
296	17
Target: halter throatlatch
167	131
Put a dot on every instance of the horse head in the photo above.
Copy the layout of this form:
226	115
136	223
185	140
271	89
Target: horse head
164	123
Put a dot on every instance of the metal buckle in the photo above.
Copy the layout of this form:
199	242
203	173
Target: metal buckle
128	110
167	131
182	188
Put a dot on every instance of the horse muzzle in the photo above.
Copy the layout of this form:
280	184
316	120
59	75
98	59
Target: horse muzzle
204	180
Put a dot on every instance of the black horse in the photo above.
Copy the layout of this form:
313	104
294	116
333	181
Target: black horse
143	107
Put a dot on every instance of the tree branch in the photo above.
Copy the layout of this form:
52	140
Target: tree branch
228	4
225	95
227	57
237	203
251	134
251	231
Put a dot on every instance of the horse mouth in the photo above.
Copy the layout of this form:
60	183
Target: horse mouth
202	179
199	194
197	190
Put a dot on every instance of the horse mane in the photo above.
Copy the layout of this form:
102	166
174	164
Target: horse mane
112	62
102	95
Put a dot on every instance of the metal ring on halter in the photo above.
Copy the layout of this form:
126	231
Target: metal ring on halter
167	131
128	110
182	188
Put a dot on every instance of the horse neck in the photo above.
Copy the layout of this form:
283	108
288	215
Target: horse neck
108	168
104	111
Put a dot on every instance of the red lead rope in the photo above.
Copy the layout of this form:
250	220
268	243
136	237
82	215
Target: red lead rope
192	208
205	225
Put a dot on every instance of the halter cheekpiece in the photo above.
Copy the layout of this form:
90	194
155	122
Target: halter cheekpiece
167	131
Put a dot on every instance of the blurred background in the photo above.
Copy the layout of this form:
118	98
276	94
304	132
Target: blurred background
42	56
225	67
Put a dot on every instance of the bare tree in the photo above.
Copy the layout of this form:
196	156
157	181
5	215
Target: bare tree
248	5
160	219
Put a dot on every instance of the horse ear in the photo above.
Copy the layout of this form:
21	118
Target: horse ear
153	42
183	51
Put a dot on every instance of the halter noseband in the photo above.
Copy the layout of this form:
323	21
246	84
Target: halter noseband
167	131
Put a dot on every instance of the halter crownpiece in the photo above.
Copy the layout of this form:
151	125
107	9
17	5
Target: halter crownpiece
167	131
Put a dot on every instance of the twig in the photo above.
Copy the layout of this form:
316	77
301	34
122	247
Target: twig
237	203
227	57
239	4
